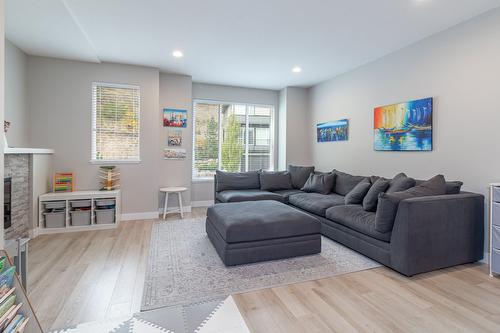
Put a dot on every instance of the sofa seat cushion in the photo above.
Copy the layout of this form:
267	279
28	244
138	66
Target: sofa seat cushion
287	193
316	203
248	195
253	221
356	218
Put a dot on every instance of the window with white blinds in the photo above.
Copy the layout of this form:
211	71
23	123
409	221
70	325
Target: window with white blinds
115	122
231	137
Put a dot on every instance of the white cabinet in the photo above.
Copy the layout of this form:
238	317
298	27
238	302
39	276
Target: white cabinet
79	210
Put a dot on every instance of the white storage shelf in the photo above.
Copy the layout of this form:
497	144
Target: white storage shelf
93	197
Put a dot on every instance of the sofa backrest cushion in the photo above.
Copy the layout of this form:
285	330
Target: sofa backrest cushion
358	193
275	181
319	183
299	175
237	180
345	182
452	187
371	198
400	182
388	203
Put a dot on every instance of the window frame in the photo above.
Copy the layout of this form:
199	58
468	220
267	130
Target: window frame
272	125
93	130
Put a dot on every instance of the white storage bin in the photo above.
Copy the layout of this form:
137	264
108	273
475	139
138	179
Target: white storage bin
80	217
55	219
104	216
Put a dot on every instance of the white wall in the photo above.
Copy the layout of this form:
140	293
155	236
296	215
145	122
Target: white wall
59	104
460	68
202	191
16	110
2	106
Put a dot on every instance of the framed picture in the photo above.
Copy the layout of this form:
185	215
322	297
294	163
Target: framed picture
175	137
64	182
174	118
174	153
403	126
333	131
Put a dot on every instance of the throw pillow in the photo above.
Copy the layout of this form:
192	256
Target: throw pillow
371	199
319	183
237	180
275	181
345	182
358	193
453	187
400	182
388	203
299	175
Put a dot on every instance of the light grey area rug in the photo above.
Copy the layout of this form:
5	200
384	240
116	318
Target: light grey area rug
184	268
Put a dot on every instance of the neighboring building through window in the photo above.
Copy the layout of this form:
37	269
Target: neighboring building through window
231	137
115	122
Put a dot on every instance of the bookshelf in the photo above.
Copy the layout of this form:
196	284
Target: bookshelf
33	325
78	211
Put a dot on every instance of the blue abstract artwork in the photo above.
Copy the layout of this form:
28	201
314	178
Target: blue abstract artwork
333	131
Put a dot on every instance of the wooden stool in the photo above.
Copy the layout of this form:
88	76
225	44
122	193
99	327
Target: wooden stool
168	190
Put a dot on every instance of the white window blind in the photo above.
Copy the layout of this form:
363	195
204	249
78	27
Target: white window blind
115	122
231	137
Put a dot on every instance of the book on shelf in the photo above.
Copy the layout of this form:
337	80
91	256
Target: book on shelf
15	324
7	276
5	292
6	319
7	304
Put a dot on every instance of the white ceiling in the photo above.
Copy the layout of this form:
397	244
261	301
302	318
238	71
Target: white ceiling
252	43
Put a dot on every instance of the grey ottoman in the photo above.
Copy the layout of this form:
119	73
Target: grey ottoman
253	231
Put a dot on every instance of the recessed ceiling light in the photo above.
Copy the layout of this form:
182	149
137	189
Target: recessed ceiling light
178	54
296	69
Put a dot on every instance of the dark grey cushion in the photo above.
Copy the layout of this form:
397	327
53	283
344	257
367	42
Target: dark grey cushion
356	218
316	203
357	194
400	182
319	183
371	198
345	182
275	181
252	221
247	195
388	203
452	187
299	175
287	193
237	180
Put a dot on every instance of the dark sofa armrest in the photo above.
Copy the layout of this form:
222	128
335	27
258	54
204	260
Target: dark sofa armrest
437	232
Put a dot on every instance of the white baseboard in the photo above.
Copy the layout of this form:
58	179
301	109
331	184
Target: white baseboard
204	203
486	258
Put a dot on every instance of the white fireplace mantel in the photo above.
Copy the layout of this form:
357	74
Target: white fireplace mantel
10	150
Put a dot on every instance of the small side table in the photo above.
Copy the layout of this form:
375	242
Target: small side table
167	191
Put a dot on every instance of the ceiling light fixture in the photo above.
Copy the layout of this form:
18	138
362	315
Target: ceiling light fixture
296	69
177	54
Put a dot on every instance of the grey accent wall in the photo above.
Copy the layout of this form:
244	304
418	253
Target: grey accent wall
15	95
460	68
59	104
175	92
17	167
203	190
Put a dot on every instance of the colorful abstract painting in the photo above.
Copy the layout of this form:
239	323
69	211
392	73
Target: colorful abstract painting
174	118
333	131
404	126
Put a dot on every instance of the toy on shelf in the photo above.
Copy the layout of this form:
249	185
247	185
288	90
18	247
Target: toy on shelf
110	178
64	182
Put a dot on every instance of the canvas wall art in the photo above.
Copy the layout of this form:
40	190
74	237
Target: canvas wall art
333	131
175	137
174	118
174	153
404	126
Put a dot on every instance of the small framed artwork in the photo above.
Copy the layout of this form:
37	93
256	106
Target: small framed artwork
403	126
174	118
331	131
175	138
64	182
174	153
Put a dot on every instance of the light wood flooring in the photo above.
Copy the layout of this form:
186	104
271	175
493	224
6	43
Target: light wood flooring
99	275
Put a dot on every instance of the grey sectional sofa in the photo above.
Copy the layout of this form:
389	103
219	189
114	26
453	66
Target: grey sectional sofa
420	232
